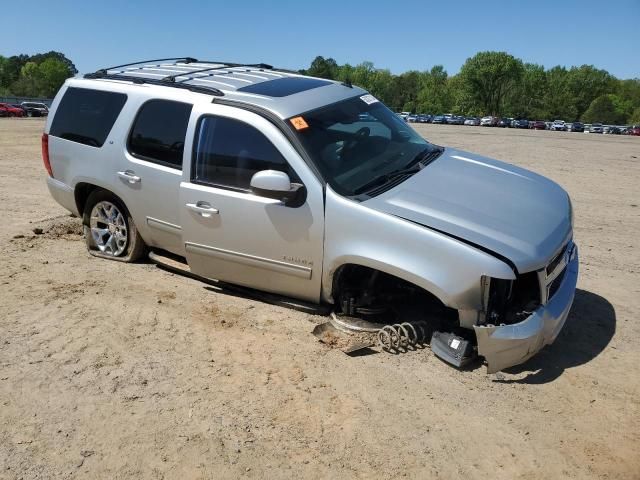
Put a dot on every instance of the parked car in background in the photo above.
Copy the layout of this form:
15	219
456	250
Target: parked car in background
612	130
575	127
455	120
473	121
505	122
596	128
587	128
17	105
35	109
488	121
558	126
537	125
413	118
520	123
439	119
11	111
633	130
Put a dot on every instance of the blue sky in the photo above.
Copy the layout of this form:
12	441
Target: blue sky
399	35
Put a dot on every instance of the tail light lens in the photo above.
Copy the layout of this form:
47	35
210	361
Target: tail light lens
45	154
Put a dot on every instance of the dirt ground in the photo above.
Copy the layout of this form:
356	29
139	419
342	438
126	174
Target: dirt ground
113	371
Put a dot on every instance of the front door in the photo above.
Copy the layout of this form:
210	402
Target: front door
234	235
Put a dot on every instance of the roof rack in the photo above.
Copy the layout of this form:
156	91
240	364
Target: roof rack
145	72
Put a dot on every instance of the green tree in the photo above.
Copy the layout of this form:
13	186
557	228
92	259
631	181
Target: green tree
558	102
488	77
527	98
586	83
435	95
52	73
603	109
323	68
634	119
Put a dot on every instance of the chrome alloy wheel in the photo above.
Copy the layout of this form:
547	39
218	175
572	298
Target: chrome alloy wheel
108	229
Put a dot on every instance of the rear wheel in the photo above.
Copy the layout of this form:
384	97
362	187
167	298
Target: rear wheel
109	230
29	114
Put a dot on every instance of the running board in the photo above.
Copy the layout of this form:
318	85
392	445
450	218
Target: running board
178	265
170	262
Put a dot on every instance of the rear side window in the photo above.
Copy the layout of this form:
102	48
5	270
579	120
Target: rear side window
87	116
228	152
159	132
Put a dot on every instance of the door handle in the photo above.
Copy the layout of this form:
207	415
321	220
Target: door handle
203	208
129	176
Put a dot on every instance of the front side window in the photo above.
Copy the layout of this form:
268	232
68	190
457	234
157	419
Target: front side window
359	143
229	152
159	132
86	116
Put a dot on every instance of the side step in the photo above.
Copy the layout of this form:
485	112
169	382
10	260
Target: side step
178	265
170	262
452	349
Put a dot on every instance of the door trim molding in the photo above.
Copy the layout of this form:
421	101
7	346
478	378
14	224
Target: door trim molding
164	226
250	260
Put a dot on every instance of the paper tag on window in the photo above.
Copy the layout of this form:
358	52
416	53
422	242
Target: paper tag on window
299	123
455	343
368	99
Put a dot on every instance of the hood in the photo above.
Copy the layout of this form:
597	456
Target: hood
510	211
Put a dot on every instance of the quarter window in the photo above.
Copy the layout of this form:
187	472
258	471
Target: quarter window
229	152
159	132
86	116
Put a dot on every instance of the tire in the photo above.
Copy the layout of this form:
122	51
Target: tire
109	230
29	114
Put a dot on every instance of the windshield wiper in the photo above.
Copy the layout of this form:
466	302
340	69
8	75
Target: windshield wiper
426	156
386	178
420	161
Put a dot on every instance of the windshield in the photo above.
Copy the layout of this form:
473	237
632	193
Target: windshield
356	141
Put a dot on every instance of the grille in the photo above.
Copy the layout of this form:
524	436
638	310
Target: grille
551	277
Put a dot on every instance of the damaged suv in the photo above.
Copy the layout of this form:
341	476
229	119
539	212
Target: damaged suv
312	189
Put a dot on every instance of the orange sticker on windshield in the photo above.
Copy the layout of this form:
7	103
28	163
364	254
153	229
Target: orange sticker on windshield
299	123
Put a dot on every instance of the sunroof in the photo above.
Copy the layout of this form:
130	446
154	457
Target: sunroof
282	87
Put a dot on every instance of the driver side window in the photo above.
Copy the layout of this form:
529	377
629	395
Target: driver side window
159	131
229	152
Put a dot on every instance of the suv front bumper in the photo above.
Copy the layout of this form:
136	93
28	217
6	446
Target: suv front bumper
503	346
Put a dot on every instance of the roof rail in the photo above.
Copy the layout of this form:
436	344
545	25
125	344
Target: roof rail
103	73
219	66
146	72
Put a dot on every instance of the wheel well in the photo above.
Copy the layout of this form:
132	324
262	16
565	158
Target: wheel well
81	194
359	287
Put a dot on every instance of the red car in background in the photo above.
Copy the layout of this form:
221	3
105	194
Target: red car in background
7	110
635	130
537	125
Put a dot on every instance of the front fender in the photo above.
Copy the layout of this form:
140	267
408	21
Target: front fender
446	267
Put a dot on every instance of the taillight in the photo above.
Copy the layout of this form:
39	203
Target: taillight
45	154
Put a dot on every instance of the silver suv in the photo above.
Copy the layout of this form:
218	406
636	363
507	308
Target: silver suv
312	189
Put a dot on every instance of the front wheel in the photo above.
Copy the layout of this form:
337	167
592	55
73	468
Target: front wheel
109	230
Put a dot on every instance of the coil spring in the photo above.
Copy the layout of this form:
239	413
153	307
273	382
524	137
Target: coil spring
401	336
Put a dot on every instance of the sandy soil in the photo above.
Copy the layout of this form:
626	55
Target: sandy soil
110	370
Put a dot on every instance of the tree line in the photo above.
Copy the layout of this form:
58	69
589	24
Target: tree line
496	83
39	75
489	83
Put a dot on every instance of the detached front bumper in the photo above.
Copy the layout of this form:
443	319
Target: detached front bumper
503	346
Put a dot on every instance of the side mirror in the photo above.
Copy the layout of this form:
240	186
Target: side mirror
277	185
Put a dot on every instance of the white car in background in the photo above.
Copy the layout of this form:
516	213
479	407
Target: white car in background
558	126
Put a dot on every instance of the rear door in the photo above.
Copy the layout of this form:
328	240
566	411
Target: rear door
230	233
152	171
